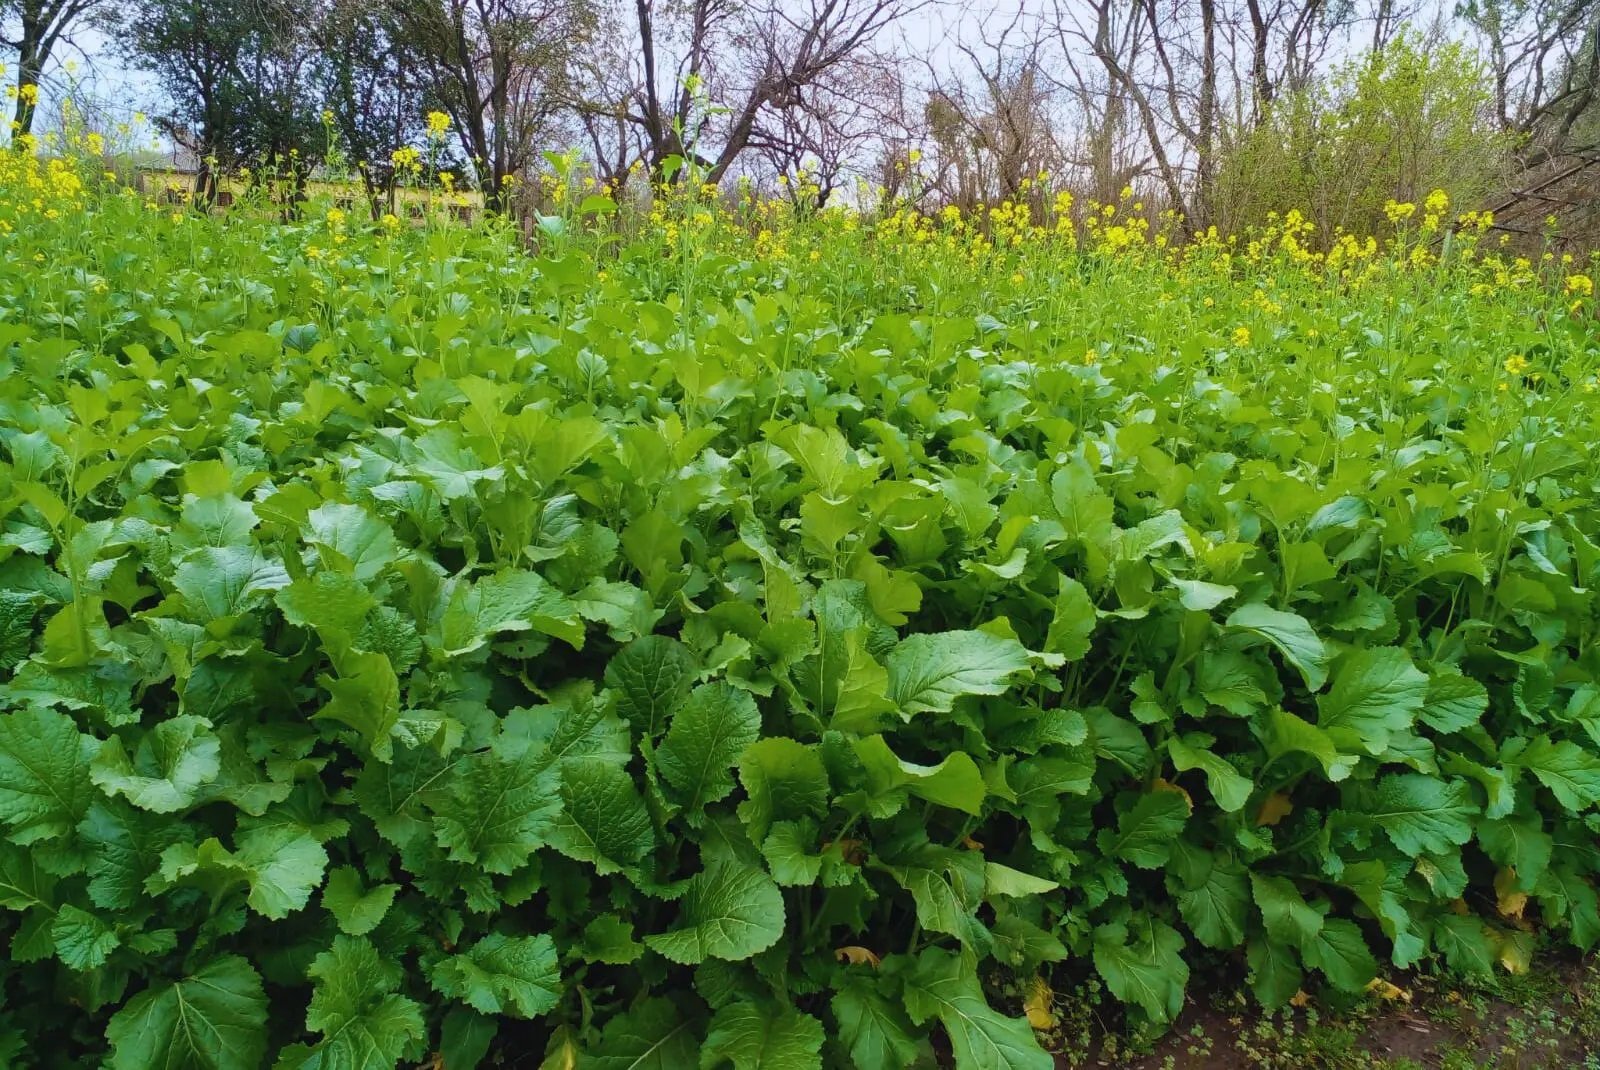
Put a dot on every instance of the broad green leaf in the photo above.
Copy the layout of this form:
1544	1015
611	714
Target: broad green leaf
724	912
219	583
333	604
861	689
1565	894
1291	633
366	698
1340	952
279	864
83	941
124	846
1288	918
1421	814
874	1031
172	762
357	1008
944	985
1142	963
1288	734
603	818
707	735
351	540
784	780
652	1035
955	782
1520	843
791	855
1454	702
947	888
515	975
1073	621
1146	829
45	784
1570	772
1200	596
1085	510
213	1019
357	909
1213	895
1375	691
752	1037
465	1037
506	602
497	807
1000	879
1466	944
1230	789
1275	974
927	673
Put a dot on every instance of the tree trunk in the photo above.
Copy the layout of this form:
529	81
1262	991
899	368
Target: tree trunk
30	65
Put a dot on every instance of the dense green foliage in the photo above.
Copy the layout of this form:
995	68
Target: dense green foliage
768	651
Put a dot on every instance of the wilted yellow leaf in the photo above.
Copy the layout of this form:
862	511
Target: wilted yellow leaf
1459	907
562	1053
1274	808
1510	901
971	844
1167	785
1516	951
1038	1004
1384	990
1300	998
856	955
852	851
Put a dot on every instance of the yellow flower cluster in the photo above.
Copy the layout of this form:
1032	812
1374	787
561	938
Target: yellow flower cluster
1398	211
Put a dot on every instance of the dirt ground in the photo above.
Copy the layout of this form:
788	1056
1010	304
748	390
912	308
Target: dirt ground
1546	1020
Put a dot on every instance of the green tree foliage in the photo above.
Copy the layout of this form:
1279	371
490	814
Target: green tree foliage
1395	124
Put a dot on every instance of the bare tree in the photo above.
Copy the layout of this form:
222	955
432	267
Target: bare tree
992	123
1545	59
499	69
364	78
41	26
712	78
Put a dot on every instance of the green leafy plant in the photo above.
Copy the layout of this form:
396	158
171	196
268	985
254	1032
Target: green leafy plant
414	647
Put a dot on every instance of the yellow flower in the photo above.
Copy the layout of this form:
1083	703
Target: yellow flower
1580	286
1395	211
1438	201
335	217
1241	336
438	123
327	116
29	94
1516	364
390	221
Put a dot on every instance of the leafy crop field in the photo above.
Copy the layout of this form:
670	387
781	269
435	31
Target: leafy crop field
726	637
